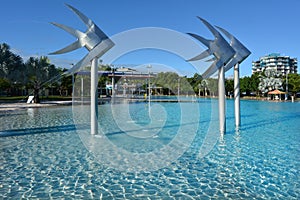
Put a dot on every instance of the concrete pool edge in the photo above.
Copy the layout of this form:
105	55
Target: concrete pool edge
18	106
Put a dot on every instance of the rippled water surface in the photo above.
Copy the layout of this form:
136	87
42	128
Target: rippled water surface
43	156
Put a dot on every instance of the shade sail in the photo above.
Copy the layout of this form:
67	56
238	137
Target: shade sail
276	92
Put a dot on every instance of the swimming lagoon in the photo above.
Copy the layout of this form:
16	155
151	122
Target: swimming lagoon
43	152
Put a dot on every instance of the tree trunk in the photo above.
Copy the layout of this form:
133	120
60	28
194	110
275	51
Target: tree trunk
36	90
36	96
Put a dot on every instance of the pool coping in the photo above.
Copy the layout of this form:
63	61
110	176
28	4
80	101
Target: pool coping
21	105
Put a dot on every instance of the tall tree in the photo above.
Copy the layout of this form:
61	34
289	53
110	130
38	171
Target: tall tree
4	85
64	84
245	87
11	66
40	73
168	80
254	82
195	82
229	86
294	83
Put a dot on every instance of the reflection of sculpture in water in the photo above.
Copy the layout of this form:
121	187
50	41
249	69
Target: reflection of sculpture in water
31	112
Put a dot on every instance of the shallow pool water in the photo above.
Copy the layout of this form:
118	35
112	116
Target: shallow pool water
43	154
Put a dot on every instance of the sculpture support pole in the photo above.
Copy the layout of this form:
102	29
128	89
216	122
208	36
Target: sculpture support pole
237	95
94	96
221	88
97	43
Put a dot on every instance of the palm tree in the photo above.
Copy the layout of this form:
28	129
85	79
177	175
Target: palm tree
40	73
11	66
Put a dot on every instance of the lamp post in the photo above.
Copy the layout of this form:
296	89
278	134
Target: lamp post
149	87
286	86
178	88
113	82
72	84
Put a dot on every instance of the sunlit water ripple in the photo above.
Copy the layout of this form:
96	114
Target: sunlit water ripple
42	156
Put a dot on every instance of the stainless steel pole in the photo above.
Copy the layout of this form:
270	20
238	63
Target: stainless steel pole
94	96
149	91
178	88
237	113
286	86
221	88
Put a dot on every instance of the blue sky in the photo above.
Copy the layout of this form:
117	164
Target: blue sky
264	26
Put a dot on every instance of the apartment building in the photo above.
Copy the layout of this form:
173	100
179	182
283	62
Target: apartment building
283	64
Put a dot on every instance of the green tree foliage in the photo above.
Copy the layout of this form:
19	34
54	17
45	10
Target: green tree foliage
250	84
254	82
40	73
64	83
4	84
212	85
11	65
245	87
174	84
104	79
36	73
294	83
195	82
229	84
167	80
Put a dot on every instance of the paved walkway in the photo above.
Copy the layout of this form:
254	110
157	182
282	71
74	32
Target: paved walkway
17	106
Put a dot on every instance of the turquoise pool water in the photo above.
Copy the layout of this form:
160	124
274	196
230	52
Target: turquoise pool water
42	153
